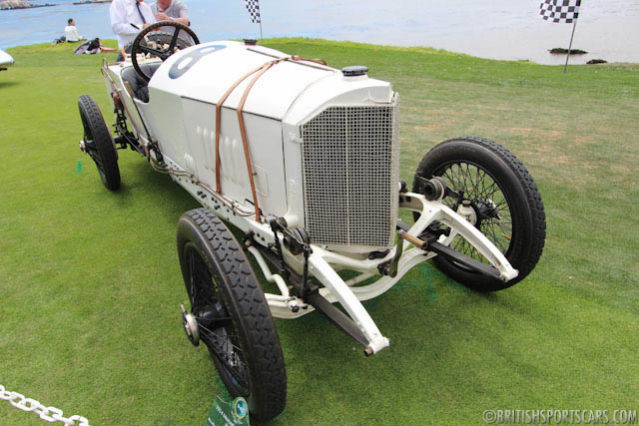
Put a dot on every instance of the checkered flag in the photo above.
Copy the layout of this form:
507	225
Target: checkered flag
253	7
566	11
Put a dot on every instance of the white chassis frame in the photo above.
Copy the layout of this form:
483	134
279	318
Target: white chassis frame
324	264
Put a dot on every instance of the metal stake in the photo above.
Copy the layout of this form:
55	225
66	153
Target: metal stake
570	46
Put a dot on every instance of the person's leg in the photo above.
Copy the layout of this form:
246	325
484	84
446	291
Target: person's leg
121	56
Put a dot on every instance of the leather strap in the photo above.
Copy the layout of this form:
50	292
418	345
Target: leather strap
259	71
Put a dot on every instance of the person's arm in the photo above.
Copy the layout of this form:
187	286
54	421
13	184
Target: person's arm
164	17
119	22
184	14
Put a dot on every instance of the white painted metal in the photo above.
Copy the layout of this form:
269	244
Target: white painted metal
5	58
336	286
181	118
324	264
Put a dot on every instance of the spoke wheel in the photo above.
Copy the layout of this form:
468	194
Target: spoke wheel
232	315
496	194
151	41
98	142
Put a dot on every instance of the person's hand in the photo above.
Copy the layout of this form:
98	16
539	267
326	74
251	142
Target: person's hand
162	16
145	25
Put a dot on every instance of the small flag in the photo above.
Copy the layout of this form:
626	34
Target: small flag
566	11
253	7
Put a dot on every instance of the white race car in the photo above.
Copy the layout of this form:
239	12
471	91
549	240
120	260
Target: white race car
5	60
304	160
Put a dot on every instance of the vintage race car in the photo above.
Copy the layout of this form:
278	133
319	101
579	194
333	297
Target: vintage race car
303	159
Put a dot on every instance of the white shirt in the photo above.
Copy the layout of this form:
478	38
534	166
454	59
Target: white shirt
71	33
124	13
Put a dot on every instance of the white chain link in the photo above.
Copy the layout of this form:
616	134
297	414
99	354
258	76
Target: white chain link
49	414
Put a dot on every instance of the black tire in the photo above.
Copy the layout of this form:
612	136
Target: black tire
514	195
233	317
98	142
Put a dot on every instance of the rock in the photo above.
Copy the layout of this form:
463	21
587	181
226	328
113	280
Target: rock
91	1
20	4
596	61
561	50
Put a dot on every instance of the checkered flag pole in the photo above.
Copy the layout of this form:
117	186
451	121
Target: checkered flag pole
561	11
253	7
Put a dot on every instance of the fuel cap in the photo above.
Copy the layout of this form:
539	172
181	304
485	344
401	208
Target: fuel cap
354	70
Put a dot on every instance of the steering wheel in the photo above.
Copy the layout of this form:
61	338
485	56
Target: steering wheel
151	40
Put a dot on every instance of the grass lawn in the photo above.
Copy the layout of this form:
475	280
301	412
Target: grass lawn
90	285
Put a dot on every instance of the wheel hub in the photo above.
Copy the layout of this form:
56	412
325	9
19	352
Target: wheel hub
467	211
190	327
487	209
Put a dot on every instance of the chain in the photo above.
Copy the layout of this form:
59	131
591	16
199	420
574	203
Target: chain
49	414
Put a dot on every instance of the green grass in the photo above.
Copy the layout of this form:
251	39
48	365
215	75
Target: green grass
90	286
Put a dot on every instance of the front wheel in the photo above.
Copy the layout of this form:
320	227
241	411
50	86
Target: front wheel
504	203
229	314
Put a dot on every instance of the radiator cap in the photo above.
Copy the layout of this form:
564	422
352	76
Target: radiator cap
354	70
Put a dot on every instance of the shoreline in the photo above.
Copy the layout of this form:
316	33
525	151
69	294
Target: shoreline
493	31
22	6
422	49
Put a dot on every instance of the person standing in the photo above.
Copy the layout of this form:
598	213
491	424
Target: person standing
171	10
128	17
71	32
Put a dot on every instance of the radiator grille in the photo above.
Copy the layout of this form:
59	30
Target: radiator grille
350	176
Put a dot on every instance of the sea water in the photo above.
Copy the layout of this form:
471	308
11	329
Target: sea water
497	29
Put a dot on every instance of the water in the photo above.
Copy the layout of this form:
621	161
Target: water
497	29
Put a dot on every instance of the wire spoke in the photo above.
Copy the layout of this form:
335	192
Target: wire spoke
488	200
226	352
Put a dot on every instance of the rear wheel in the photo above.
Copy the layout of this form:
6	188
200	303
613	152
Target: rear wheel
497	195
98	142
230	313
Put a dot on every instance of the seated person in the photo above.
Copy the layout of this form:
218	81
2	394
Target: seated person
92	47
139	86
171	10
71	32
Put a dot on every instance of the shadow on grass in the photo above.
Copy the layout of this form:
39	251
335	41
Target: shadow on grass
144	181
4	84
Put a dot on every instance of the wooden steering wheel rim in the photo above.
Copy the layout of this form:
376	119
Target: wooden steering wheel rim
135	48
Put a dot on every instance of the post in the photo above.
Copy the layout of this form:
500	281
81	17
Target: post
569	46
261	35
